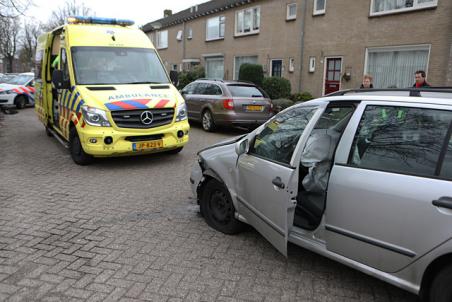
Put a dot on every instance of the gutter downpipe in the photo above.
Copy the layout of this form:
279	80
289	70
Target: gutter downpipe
183	42
302	43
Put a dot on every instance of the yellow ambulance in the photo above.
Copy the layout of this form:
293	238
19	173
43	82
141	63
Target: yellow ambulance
102	90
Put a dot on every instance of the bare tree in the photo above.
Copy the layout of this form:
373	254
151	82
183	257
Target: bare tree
13	8
9	35
70	8
29	40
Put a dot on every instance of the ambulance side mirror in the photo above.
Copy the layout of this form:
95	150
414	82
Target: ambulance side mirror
58	80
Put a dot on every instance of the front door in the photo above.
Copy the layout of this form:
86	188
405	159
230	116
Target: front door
333	75
389	197
267	181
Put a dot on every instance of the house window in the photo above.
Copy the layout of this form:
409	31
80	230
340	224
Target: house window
276	68
291	11
179	35
319	7
238	61
381	7
162	39
215	28
190	34
394	67
247	21
215	68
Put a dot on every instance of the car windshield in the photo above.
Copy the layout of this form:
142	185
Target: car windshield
20	79
245	91
117	65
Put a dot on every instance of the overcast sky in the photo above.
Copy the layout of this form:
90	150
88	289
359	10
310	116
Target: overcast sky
141	11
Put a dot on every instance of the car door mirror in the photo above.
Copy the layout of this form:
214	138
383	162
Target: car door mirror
58	80
242	147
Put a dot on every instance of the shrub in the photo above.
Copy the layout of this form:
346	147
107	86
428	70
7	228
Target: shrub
281	104
276	87
186	77
252	73
301	97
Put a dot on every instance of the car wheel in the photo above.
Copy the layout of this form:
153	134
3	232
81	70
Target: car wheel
440	290
20	102
208	123
75	148
218	210
175	151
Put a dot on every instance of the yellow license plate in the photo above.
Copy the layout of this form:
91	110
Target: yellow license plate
254	108
147	145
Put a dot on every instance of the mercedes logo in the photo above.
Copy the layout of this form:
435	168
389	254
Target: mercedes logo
147	117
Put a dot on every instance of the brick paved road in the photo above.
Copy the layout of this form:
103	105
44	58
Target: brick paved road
128	229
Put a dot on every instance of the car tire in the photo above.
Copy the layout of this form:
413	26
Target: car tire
208	124
75	148
175	151
20	101
218	209
440	290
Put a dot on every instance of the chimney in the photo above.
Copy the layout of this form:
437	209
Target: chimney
167	13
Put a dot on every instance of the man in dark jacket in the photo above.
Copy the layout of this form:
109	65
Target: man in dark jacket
420	79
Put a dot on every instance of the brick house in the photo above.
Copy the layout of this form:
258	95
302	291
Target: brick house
319	45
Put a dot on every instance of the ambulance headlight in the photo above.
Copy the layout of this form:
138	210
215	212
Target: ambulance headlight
181	112
95	117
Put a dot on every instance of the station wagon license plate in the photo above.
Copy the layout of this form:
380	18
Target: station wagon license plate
258	108
149	145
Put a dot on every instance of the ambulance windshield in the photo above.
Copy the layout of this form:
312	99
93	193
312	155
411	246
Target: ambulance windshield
117	65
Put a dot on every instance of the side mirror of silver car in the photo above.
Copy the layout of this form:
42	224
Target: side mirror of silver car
241	147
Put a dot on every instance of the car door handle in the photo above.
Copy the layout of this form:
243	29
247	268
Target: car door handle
278	182
443	202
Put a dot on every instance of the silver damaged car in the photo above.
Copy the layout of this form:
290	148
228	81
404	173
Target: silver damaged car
364	178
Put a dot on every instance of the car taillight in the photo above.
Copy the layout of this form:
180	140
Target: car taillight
228	104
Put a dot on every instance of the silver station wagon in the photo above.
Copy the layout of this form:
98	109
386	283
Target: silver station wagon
361	177
225	103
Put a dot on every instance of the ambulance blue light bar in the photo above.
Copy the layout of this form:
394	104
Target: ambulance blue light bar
98	20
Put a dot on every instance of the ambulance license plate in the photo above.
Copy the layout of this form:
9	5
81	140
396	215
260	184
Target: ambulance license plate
258	108
149	145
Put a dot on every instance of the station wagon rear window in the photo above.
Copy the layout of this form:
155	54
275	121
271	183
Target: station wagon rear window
245	91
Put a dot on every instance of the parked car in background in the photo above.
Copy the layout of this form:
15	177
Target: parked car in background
364	178
217	102
18	91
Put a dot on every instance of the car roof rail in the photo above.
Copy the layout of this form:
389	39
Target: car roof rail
209	79
417	92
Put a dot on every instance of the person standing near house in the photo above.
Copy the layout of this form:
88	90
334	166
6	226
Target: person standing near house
420	79
367	82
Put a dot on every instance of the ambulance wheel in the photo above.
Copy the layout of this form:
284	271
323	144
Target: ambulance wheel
20	102
75	148
49	134
175	151
218	210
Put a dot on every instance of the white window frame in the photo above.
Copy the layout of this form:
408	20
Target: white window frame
416	6
189	33
235	66
252	31
157	39
219	28
214	57
179	35
399	48
325	61
271	67
318	11
288	16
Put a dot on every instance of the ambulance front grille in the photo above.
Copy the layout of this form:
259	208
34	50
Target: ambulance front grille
132	118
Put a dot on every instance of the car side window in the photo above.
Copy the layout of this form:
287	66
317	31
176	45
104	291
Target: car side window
446	169
400	139
212	89
277	141
200	88
190	88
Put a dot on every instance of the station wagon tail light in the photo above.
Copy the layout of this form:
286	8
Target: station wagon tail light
98	20
228	104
